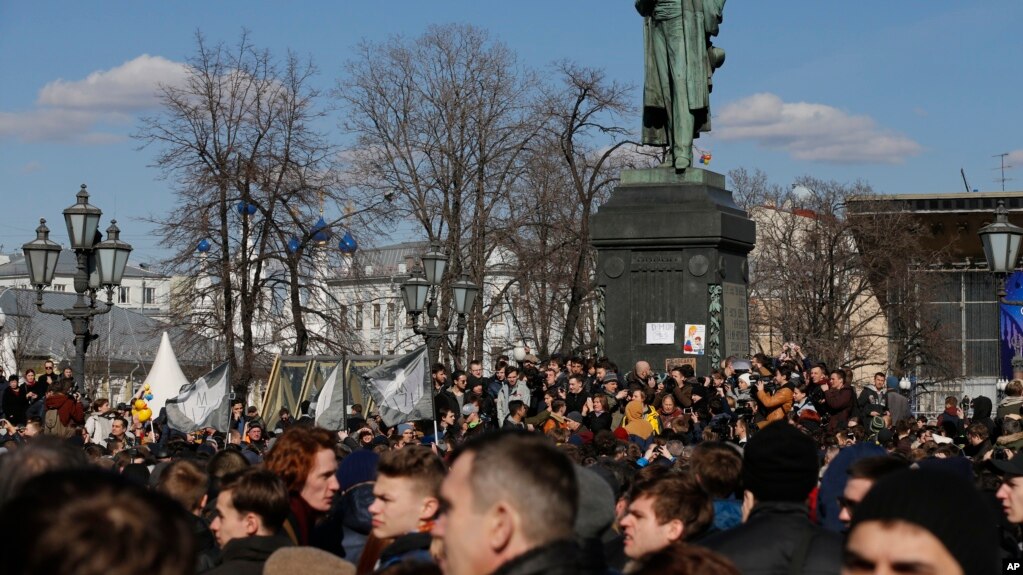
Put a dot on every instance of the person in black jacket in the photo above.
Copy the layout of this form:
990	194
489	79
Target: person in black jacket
14	402
508	507
251	508
872	398
599	417
779	470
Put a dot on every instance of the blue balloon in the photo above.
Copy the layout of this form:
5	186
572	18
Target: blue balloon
149	397
293	245
204	246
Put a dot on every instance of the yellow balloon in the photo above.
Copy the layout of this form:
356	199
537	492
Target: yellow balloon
146	387
140	404
145	414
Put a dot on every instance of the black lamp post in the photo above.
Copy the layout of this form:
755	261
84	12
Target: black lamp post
99	264
1001	249
420	294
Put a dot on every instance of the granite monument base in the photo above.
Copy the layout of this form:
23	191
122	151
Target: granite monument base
672	264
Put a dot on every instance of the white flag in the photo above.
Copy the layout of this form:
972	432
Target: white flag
401	388
330	403
206	402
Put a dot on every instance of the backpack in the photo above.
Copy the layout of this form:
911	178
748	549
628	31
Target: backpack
52	425
651	416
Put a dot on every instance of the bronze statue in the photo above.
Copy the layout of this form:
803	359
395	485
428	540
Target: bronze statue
680	61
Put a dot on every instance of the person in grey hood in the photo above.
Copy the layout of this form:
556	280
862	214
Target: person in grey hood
898	405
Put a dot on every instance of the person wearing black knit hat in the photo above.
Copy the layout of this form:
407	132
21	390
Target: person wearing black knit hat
935	521
779	470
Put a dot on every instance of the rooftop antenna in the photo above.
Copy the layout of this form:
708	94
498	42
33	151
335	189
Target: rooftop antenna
1002	179
965	183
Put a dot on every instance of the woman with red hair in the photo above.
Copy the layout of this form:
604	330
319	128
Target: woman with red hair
304	458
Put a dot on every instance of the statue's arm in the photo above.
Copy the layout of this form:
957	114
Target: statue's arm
645	7
712	15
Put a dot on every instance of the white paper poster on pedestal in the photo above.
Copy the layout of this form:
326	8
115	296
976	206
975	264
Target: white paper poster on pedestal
657	333
165	379
695	337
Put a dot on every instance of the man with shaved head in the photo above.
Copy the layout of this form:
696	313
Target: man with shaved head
509	502
640	375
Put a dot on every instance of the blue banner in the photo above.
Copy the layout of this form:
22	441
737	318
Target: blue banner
1010	322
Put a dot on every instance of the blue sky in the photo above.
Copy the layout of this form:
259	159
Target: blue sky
901	94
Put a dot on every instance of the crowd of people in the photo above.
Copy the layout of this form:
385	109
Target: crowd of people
765	465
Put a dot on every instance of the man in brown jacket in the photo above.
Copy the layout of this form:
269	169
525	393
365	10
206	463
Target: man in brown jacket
777	404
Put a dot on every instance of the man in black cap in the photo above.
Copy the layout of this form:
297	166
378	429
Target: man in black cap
1010	494
863	473
779	470
923	521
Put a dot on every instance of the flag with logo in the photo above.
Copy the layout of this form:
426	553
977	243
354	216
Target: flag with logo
331	402
206	402
401	388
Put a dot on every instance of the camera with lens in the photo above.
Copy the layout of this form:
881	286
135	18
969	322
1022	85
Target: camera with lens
745	410
722	427
999	454
770	385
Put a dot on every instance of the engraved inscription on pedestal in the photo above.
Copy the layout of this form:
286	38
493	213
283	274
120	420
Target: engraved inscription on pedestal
736	319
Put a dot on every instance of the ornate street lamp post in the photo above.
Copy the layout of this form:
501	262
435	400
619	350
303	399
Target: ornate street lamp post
99	264
1001	241
420	294
1001	247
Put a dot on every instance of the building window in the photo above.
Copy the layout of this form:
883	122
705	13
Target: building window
123	295
59	287
391	311
358	316
376	315
149	295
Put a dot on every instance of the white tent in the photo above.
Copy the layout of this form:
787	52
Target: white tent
165	379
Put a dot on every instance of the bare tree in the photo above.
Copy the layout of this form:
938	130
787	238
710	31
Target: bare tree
237	139
20	333
752	190
837	282
572	169
442	121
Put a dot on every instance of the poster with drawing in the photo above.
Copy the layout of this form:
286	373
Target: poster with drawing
694	339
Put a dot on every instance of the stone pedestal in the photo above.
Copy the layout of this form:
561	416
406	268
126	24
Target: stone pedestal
672	250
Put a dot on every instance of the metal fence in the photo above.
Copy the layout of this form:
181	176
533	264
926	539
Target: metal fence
929	398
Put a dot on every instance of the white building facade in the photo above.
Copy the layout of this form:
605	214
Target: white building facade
142	289
369	289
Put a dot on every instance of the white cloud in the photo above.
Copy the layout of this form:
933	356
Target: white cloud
1015	158
130	86
813	132
81	111
31	167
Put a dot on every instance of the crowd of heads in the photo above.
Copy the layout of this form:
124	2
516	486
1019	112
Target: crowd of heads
567	465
